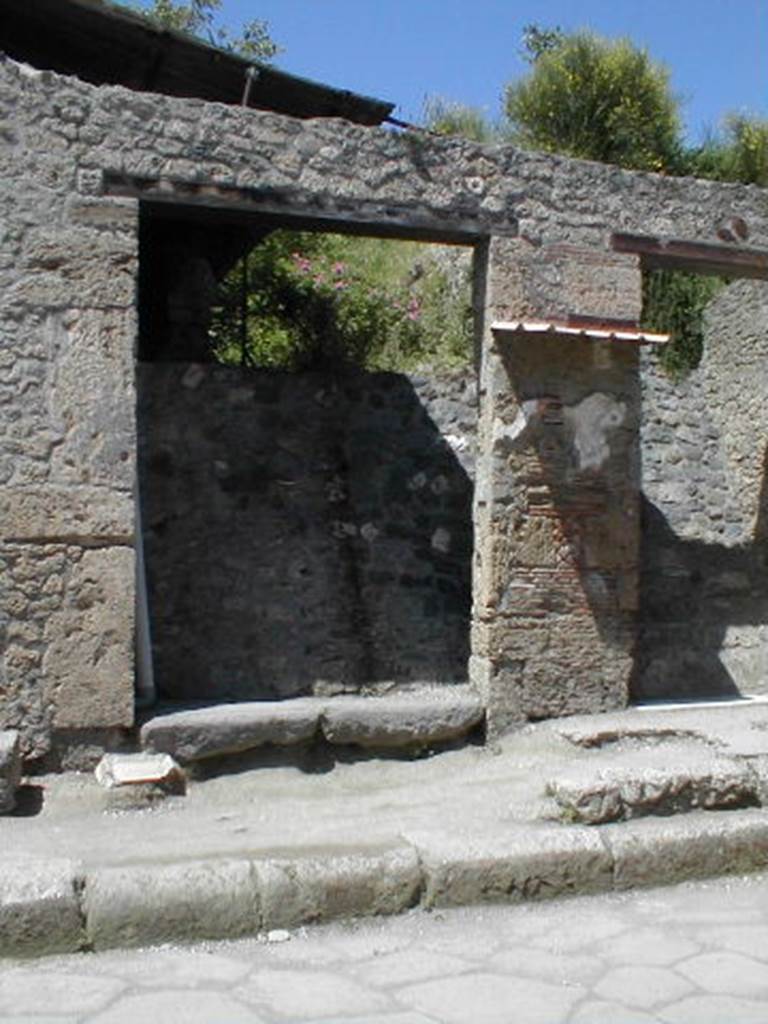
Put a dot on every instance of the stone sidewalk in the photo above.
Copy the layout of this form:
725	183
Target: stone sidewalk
674	794
691	953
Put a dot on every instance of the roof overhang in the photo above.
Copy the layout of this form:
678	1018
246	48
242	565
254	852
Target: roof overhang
109	45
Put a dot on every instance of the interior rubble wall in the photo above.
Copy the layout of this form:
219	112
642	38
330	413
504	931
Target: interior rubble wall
704	588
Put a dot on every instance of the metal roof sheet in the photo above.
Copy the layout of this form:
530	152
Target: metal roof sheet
595	332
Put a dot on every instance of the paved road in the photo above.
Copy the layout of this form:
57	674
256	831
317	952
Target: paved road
692	954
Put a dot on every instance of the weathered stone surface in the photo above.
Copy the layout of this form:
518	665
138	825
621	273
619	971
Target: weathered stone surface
10	769
410	719
656	851
39	907
231	728
68	274
530	864
336	884
70	515
138	780
151	904
621	793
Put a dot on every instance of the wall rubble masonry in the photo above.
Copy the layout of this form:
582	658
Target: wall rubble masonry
68	271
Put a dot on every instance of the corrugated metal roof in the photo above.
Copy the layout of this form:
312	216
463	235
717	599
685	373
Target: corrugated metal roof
110	45
595	332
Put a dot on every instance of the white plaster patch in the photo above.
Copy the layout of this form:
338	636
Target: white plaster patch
514	431
591	420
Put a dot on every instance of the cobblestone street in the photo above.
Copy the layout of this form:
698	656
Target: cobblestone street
693	954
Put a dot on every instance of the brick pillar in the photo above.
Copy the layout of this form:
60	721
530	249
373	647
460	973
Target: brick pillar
557	492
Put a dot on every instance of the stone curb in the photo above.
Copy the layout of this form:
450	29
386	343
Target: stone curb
59	906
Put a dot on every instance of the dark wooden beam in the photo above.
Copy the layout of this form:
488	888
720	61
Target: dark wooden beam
696	257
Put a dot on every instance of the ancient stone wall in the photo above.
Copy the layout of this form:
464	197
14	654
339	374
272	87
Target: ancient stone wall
306	533
704	584
76	161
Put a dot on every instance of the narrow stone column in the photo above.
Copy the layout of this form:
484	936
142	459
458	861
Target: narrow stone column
557	493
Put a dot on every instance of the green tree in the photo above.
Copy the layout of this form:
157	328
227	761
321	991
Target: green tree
738	153
446	117
595	98
199	18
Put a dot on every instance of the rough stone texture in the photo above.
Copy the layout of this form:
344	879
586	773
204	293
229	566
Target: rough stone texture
704	596
410	719
10	769
307	533
535	864
332	885
230	728
696	845
621	793
39	907
151	904
74	161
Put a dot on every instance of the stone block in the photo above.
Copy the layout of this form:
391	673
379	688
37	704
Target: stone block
534	863
231	728
66	514
656	851
138	780
381	880
402	720
39	907
141	905
10	769
621	793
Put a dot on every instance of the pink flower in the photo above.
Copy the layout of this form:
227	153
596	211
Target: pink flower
414	309
302	263
339	268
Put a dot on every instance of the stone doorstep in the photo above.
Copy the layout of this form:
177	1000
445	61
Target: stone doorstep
409	719
10	769
619	793
49	906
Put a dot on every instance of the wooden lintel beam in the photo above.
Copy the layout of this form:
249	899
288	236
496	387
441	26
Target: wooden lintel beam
697	257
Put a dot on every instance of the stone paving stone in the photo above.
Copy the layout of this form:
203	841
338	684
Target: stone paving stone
714	1010
538	963
574	934
178	1008
410	966
310	994
27	990
648	946
156	968
389	1018
491	999
730	973
611	1013
749	939
642	986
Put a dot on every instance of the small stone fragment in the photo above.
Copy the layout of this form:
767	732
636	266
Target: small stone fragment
10	769
138	780
278	935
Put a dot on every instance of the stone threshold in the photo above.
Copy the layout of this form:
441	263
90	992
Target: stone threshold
405	720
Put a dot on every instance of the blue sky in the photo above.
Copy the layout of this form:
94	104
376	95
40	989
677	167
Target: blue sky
405	50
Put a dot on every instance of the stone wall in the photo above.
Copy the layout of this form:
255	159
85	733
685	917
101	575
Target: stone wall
704	585
305	533
76	164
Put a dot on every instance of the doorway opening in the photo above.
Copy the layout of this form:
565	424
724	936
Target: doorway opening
307	418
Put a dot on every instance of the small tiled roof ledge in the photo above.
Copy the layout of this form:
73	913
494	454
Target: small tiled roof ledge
592	330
